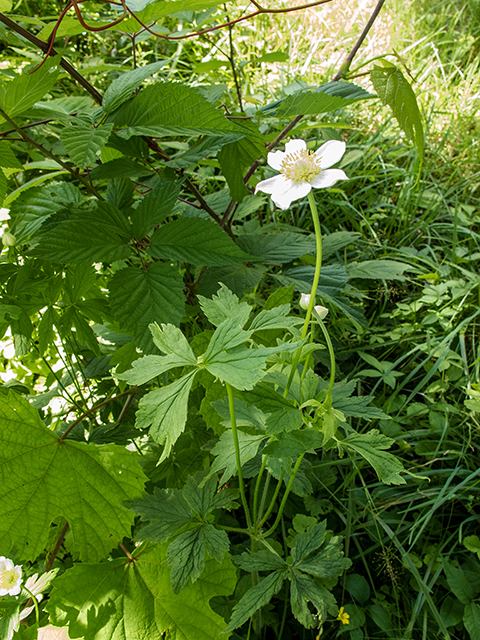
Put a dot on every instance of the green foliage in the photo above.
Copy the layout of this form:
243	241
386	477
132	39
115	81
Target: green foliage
64	476
175	437
395	90
82	599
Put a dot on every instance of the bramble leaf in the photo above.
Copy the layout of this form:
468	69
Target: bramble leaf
21	93
124	86
327	97
395	90
85	483
139	297
98	232
196	241
171	108
155	207
84	143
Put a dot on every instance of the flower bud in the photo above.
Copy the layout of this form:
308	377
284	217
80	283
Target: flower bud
8	239
305	300
321	311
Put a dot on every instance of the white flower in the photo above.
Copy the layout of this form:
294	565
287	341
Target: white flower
321	311
300	170
305	300
10	578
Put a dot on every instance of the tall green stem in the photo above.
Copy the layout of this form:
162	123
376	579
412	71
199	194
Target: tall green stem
231	406
285	496
331	353
313	291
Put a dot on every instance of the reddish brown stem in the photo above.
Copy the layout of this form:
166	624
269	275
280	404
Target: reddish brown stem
96	407
51	559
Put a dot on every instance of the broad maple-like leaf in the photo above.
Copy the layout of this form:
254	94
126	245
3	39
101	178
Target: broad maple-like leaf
43	477
133	600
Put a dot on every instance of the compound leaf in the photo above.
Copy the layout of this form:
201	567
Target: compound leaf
327	97
395	91
140	297
21	93
256	597
371	446
84	144
97	233
225	305
164	410
124	86
195	241
171	108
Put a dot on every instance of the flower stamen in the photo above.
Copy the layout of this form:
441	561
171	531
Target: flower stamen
301	166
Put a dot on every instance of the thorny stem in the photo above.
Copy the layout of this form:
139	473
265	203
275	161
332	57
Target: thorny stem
348	60
67	167
340	74
233	420
231	59
131	392
44	46
260	11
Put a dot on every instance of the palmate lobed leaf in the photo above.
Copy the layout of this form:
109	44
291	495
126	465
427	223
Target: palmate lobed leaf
43	477
371	446
133	600
164	410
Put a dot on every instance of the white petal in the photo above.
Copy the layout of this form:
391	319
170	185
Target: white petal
295	145
328	178
330	153
296	191
275	159
272	185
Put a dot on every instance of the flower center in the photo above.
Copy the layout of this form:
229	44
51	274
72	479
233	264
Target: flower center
301	166
8	579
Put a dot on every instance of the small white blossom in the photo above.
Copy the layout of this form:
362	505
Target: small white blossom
305	300
302	170
321	311
10	578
